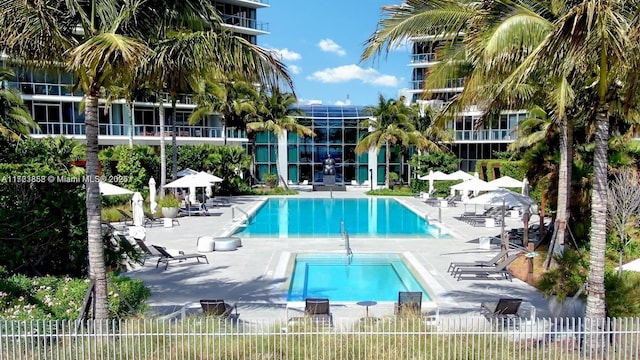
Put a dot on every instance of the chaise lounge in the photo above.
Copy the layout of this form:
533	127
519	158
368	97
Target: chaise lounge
319	311
479	263
218	307
504	310
485	272
167	257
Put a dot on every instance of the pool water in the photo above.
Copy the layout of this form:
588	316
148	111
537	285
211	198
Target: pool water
365	217
375	277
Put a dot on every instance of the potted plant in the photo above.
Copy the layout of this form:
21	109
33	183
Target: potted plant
170	206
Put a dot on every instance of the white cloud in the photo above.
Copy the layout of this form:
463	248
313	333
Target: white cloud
352	72
328	45
294	69
287	55
309	102
340	103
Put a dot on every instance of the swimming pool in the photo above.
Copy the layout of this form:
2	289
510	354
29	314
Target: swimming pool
375	277
364	217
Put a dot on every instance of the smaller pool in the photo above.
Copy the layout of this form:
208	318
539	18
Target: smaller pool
376	277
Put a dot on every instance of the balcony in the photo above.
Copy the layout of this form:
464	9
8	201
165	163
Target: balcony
149	134
423	58
452	85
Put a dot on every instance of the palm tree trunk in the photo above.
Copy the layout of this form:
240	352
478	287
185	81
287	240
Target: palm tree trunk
174	142
163	150
564	184
388	167
595	281
97	269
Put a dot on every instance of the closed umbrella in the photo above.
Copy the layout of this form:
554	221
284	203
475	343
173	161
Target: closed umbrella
138	211
152	195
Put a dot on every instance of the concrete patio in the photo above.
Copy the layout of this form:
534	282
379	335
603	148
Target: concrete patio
255	276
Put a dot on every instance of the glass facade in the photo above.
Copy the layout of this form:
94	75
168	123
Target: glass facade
337	131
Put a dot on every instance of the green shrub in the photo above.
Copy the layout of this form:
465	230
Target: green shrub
274	191
23	297
398	191
623	294
168	201
270	179
568	277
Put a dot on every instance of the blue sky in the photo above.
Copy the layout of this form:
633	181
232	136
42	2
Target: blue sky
321	43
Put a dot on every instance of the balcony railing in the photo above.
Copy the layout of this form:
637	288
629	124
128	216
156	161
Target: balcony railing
450	84
245	22
138	130
423	58
28	88
488	135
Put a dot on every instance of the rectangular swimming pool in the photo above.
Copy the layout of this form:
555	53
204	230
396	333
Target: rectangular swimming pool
375	277
364	217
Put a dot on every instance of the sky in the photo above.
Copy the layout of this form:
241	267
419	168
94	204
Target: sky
321	43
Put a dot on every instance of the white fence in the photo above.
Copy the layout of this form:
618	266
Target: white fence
393	338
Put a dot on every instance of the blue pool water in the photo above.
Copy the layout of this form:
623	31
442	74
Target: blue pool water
376	277
373	217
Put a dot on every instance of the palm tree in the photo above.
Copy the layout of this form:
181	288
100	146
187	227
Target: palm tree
390	124
276	115
590	42
15	119
43	35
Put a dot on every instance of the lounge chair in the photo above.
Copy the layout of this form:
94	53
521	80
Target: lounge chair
149	252
492	262
150	220
486	271
409	303
194	209
166	257
218	308
319	311
504	310
126	218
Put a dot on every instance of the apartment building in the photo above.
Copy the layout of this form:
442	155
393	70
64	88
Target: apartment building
56	108
470	143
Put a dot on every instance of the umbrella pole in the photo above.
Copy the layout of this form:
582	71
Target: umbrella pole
505	238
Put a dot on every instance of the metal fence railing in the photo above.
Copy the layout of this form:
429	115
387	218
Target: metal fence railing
369	338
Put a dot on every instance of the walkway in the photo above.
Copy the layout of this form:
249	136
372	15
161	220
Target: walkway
255	275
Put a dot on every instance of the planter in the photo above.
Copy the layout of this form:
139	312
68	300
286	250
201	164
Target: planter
170	212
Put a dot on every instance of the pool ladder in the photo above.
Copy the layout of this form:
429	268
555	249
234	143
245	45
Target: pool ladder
345	238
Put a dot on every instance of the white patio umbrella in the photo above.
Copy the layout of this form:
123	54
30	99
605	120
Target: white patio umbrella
152	195
433	176
137	210
501	197
474	184
186	172
107	189
505	199
507	182
525	187
460	175
201	179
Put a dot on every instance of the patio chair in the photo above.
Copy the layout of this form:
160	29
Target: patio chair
149	252
409	303
126	218
166	257
194	209
485	272
319	311
504	311
481	263
150	220
218	308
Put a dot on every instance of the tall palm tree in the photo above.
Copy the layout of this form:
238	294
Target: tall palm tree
44	35
593	42
15	119
389	124
276	115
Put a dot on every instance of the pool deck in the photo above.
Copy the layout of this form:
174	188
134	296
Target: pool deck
255	276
